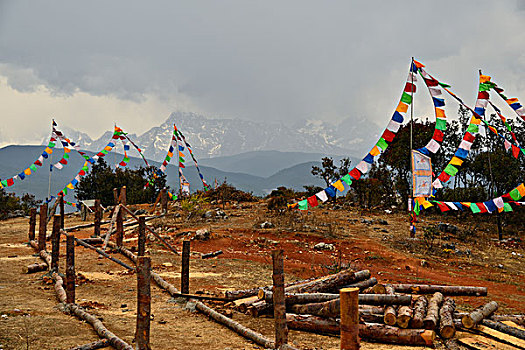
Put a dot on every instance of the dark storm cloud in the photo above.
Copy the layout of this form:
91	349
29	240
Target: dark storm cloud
276	60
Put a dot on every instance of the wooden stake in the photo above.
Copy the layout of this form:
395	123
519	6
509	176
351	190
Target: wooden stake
115	196
142	236
70	268
123	199
32	224
185	273
98	218
55	243
164	200
119	235
42	228
279	305
61	206
143	303
349	318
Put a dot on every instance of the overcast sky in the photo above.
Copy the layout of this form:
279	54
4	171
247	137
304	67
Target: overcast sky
92	63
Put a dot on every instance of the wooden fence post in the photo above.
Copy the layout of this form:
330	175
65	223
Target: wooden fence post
164	200
98	218
123	199
42	227
70	268
119	234
115	196
349	318
185	273
62	214
55	243
279	306
143	303
32	224
141	249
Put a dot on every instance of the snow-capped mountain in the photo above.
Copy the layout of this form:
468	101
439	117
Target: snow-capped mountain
223	137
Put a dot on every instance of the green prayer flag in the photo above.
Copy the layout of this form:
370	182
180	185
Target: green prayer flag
303	205
126	159
104	151
416	208
485	86
382	143
65	190
515	194
507	207
32	167
473	128
504	97
51	145
406	98
474	208
451	170
443	84
168	158
441	124
347	179
4	183
182	160
66	156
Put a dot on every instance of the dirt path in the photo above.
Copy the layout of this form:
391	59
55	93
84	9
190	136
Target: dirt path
110	292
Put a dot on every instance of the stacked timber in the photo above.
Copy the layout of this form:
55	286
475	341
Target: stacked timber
405	314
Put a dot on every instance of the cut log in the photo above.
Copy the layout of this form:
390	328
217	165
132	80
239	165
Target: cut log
331	308
93	240
404	315
431	320
36	267
420	311
376	289
331	282
482	343
260	308
476	316
518	319
390	314
99	344
502	337
502	327
513	324
370	331
445	290
446	320
211	255
245	293
362	285
298	298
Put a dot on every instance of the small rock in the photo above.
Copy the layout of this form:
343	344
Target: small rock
423	263
324	246
190	305
123	306
220	213
267	224
202	235
167	264
208	214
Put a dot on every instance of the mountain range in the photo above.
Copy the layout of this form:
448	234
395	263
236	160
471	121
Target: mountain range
211	138
258	172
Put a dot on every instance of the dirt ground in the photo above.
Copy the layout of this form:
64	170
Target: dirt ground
30	316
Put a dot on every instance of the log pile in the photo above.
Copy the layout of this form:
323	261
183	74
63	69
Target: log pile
407	314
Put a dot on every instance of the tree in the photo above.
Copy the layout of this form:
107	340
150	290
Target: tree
329	172
12	205
101	180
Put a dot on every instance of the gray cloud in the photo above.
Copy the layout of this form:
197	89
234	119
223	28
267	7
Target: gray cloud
275	60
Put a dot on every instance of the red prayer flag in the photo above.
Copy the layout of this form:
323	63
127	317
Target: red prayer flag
388	135
443	207
62	161
444	177
409	87
356	174
515	151
312	201
438	135
469	137
481	207
10	182
483	95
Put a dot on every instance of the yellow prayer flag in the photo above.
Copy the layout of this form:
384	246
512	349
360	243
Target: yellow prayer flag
108	148
181	154
484	78
48	150
27	171
66	150
375	151
467	204
456	161
500	210
70	186
475	120
440	113
402	107
427	204
170	154
339	185
512	100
